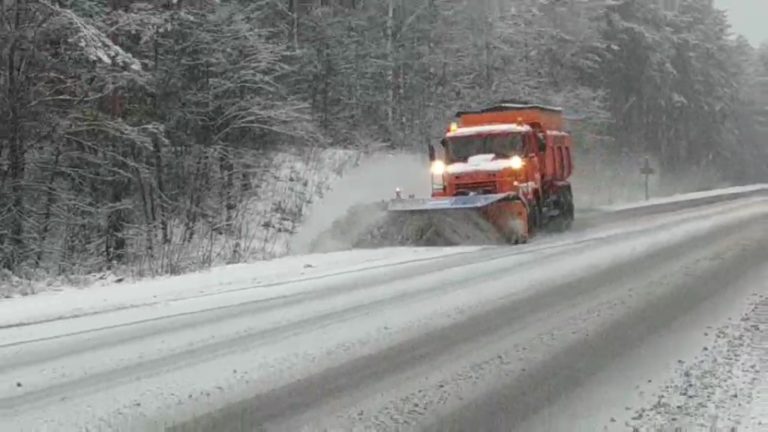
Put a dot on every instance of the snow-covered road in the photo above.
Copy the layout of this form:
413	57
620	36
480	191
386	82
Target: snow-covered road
561	334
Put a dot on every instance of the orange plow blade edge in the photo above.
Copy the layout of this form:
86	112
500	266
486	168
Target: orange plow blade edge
507	213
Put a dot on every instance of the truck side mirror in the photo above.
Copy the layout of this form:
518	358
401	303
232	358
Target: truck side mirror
432	156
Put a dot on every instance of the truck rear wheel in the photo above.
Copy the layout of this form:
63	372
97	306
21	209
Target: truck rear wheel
563	219
534	218
569	212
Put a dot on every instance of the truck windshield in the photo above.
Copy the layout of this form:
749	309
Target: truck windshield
459	149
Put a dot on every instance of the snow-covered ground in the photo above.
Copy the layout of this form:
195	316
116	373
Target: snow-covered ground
724	386
688	197
262	226
263	280
387	337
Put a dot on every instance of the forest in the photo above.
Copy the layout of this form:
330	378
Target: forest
134	132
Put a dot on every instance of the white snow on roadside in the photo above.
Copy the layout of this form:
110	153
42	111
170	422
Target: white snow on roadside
70	302
722	388
757	415
687	197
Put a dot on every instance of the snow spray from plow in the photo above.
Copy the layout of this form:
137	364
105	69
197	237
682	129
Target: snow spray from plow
373	226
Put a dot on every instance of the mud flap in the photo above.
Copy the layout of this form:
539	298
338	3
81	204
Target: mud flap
510	218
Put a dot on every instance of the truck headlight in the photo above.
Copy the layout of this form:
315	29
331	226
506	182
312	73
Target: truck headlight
516	162
438	167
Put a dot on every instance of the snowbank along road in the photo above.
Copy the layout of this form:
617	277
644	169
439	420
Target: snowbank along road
581	331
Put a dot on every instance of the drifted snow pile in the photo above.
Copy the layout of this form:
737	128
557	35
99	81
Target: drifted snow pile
371	226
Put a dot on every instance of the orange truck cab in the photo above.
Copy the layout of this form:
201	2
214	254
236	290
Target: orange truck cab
511	149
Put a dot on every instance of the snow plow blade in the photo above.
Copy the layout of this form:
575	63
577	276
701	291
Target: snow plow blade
507	214
454	203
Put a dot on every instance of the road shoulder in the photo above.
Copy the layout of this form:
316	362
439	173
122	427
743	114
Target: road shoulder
724	387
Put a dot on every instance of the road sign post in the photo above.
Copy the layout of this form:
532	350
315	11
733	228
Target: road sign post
647	171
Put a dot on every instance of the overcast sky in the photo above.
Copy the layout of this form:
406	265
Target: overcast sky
748	17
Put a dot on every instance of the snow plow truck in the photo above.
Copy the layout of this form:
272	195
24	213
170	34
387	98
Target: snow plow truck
510	163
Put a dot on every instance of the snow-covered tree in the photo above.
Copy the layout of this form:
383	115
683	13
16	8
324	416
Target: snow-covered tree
672	82
133	129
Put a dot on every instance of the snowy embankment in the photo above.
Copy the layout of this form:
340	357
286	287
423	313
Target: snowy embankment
725	387
293	205
223	281
262	229
689	197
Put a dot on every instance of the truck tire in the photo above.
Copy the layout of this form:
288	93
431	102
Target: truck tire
563	221
569	210
534	219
